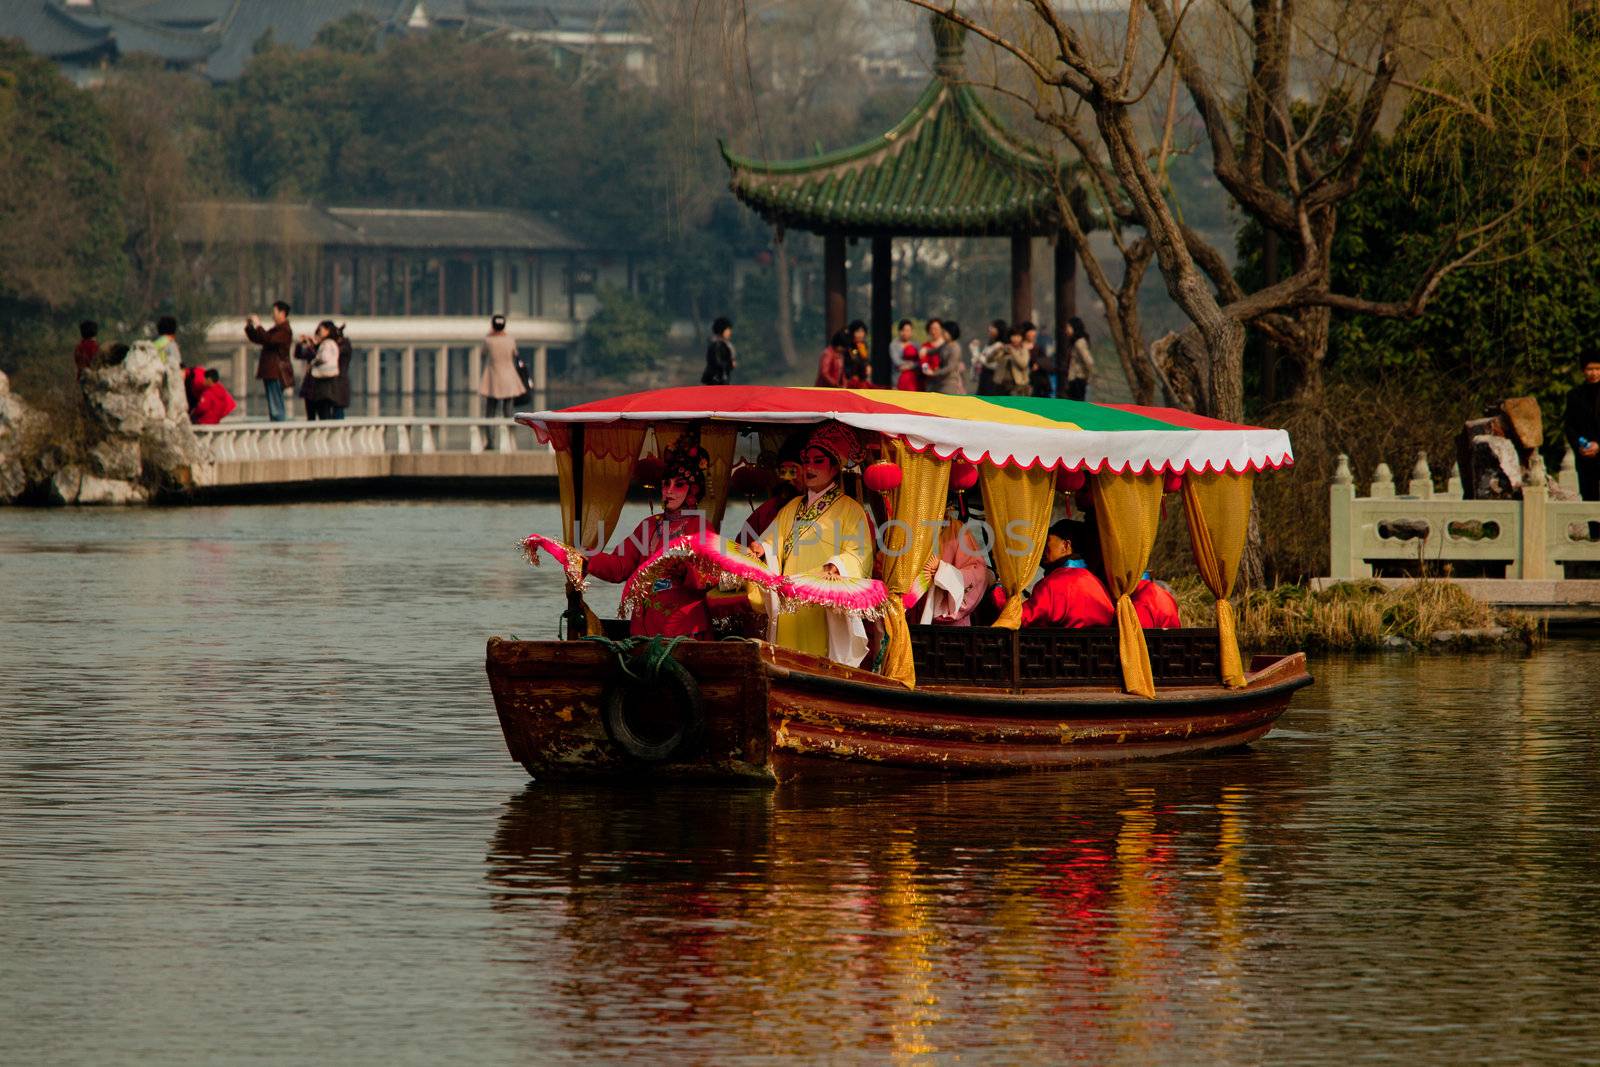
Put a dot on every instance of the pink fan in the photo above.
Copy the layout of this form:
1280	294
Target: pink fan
862	597
569	558
714	556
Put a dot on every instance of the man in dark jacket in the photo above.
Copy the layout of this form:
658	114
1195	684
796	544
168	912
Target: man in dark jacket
274	367
719	354
1582	424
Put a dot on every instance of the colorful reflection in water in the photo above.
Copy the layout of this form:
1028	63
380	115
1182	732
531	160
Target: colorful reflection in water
254	806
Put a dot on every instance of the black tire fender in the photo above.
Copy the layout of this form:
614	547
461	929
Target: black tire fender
624	704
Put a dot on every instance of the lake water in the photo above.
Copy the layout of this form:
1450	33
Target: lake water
255	807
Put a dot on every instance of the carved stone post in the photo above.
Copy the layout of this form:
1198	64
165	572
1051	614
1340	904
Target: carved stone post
1535	497
1341	508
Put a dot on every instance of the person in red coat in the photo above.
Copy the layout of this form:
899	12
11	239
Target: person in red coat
215	403
830	365
88	347
1156	606
1070	594
675	606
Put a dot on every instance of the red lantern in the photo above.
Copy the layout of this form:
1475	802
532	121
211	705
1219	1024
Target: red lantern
749	480
648	471
1174	482
882	477
1070	481
963	476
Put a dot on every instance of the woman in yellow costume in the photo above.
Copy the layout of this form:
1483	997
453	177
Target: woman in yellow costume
821	534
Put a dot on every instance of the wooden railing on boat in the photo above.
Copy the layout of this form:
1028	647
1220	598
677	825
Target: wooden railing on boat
1041	658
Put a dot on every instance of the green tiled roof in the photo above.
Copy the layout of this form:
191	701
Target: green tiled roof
949	168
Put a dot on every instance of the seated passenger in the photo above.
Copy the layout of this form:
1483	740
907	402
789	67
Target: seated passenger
819	534
1156	606
948	590
1069	594
785	489
675	605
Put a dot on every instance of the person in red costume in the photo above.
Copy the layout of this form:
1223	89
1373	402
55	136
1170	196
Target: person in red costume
194	383
830	365
910	359
215	403
1070	594
1156	606
676	605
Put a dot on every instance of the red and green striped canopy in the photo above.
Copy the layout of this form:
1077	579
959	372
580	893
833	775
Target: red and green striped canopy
1003	430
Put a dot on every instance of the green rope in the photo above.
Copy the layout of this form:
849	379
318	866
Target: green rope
652	652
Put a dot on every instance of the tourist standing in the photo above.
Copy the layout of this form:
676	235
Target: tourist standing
273	369
322	375
1041	373
500	384
984	354
1080	362
1582	426
910	378
88	345
858	358
1009	365
341	386
177	399
720	356
942	372
830	364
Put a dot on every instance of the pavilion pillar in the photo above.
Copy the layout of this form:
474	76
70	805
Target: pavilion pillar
1066	282
1021	277
882	293
836	308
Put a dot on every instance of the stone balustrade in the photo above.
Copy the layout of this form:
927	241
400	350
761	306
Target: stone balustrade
284	454
396	435
1536	537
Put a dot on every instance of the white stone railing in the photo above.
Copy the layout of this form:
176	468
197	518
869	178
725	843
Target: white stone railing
1534	537
245	441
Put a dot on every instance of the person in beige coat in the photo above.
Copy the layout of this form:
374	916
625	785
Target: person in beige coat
500	384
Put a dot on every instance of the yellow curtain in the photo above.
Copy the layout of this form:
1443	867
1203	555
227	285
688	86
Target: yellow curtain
909	541
1127	508
1218	509
609	455
1016	504
719	439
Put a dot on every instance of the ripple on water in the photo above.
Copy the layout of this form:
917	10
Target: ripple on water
254	806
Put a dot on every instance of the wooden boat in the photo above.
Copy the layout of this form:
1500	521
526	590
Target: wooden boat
984	699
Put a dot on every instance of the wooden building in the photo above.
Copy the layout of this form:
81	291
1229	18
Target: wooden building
358	261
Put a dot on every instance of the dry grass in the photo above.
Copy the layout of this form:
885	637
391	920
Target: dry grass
1351	616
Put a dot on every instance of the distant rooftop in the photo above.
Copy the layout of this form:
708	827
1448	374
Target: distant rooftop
248	222
218	37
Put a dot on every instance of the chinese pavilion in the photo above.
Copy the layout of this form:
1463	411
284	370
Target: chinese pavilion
950	168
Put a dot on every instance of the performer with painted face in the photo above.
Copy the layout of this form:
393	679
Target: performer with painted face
818	536
675	604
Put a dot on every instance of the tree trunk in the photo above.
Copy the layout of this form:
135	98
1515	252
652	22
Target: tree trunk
785	323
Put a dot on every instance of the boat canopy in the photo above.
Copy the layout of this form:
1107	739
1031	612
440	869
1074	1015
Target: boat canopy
1004	431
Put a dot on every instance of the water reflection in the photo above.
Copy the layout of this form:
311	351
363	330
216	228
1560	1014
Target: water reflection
249	769
1035	917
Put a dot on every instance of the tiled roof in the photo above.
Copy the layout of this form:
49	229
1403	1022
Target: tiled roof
248	222
948	168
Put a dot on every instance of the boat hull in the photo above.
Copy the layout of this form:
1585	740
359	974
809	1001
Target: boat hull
776	714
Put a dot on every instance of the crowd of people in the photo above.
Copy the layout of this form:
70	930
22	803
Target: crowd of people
1010	361
208	400
812	525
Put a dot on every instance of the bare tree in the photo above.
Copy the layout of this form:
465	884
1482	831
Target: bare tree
1290	97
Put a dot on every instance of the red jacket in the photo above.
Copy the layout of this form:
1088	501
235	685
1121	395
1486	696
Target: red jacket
830	368
1157	608
1071	597
215	404
84	354
677	606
